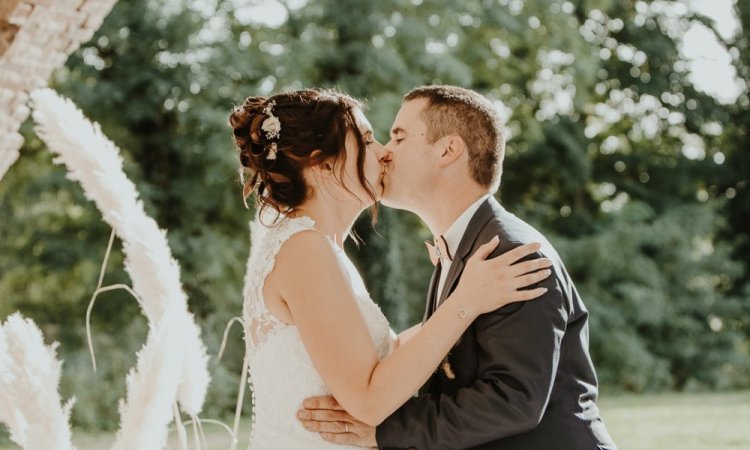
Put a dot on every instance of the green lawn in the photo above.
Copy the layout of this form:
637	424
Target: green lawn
679	421
655	422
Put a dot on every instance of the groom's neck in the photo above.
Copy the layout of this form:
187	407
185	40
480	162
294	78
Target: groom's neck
447	205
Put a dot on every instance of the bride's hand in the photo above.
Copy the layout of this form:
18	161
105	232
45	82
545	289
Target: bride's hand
489	284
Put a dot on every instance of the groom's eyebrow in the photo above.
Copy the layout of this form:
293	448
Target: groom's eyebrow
397	130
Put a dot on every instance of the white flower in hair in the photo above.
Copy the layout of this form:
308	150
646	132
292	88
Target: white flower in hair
272	125
272	149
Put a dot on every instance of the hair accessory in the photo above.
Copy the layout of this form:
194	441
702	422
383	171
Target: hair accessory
272	128
272	125
272	150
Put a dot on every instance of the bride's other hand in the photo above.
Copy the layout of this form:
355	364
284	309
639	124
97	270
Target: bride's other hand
489	284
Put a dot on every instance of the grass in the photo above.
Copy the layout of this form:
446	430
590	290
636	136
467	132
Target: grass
665	422
679	421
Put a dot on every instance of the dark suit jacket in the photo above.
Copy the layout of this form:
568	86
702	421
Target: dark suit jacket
523	376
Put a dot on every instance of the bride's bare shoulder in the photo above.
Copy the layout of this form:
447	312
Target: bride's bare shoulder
306	256
305	244
308	275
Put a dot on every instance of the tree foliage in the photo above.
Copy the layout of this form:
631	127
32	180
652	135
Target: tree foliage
639	177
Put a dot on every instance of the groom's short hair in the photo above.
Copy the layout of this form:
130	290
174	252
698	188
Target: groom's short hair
468	114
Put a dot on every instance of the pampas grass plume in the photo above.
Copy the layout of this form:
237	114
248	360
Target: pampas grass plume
29	379
94	161
152	386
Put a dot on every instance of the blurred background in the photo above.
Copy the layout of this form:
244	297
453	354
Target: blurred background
628	147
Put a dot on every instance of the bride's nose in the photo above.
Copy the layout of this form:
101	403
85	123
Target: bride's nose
382	154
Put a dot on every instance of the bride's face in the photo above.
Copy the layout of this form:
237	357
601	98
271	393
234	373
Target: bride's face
340	179
371	169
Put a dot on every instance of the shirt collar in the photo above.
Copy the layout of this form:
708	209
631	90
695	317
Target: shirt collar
456	231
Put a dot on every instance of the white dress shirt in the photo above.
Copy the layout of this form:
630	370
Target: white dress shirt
453	239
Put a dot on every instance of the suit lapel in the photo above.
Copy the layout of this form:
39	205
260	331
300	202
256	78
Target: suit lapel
477	222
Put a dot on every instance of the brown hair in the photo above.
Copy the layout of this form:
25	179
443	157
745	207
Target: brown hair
309	120
462	112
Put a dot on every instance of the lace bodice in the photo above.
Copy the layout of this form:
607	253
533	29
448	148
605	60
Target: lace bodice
281	372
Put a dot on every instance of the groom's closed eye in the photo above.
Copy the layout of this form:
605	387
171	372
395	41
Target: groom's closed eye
398	134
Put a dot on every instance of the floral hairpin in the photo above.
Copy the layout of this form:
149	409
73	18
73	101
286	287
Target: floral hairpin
272	128
272	150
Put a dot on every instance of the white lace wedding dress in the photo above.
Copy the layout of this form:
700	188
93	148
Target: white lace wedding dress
281	372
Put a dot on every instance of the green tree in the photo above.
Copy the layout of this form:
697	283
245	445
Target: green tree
612	151
734	181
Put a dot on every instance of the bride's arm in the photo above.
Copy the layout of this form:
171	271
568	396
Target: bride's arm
315	286
406	335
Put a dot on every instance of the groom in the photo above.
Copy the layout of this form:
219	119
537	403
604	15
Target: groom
520	377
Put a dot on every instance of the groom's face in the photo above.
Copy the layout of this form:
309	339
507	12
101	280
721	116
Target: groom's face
408	158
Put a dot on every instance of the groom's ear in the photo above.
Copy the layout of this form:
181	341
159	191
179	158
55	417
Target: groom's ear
451	148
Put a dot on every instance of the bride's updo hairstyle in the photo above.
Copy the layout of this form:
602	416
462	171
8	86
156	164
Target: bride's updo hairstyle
278	136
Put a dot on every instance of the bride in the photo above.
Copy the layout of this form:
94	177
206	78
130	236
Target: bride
311	328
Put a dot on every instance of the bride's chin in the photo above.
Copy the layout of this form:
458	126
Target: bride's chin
380	189
368	204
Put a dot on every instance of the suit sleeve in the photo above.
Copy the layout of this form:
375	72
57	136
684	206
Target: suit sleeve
519	349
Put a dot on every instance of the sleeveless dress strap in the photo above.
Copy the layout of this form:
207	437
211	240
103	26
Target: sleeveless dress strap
266	242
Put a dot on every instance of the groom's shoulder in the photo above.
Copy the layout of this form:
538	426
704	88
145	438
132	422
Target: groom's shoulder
512	230
509	227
